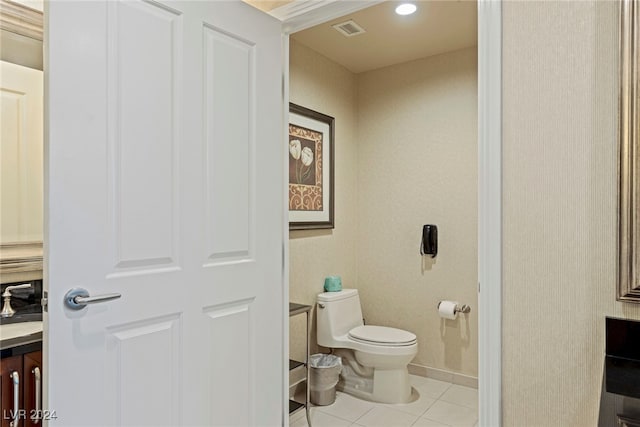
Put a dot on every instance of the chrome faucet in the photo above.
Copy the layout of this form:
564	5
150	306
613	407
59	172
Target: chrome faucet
7	310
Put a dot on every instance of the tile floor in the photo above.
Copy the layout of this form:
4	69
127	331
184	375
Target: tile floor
441	404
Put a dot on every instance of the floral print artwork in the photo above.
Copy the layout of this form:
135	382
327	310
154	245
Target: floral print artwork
305	169
301	167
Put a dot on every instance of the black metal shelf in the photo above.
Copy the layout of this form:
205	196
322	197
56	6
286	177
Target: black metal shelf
294	406
293	364
295	309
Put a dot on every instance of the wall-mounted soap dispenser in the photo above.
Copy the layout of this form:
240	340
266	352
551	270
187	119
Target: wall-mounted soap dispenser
429	245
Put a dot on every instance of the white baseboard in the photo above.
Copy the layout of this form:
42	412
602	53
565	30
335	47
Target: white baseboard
442	375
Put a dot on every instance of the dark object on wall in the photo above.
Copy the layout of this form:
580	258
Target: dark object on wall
623	357
429	245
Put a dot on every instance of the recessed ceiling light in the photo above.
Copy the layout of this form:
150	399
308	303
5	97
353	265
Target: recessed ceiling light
406	9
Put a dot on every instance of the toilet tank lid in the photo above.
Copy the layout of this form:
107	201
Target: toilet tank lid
335	296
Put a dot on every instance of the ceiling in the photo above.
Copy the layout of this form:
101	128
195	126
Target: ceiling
267	5
436	27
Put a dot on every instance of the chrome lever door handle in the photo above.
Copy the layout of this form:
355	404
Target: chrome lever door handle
78	298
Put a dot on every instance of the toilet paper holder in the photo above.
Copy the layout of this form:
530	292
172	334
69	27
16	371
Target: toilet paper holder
464	309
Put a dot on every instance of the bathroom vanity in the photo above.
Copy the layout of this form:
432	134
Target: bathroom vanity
21	400
21	360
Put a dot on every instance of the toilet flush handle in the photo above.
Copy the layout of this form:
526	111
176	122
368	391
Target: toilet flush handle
321	305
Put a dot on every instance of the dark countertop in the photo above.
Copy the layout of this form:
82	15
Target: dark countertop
622	359
21	345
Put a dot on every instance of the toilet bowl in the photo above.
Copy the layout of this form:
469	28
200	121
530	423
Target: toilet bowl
375	358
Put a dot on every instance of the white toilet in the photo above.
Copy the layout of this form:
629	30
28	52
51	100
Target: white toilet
374	358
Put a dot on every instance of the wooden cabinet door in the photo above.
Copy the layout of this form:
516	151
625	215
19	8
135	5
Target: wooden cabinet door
21	138
32	372
8	366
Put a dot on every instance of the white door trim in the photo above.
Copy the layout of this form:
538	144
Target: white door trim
299	15
490	211
285	229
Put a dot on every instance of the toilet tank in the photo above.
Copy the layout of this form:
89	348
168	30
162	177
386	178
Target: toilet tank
340	314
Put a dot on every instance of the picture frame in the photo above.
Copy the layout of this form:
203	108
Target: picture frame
629	147
311	169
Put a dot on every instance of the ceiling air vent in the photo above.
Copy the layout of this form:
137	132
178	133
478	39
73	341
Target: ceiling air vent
349	28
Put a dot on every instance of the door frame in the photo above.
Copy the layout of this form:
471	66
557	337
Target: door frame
299	15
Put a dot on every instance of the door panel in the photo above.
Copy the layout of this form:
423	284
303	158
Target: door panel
144	359
230	143
230	327
165	173
143	96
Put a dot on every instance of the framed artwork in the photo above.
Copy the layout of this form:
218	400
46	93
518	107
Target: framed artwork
629	166
311	152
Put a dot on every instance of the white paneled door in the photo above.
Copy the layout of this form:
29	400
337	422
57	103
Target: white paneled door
164	184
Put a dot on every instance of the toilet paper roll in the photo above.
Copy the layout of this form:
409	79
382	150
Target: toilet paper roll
447	309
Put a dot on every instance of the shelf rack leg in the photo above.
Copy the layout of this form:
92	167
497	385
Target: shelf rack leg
307	403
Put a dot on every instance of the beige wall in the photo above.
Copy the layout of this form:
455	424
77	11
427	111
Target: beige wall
559	247
417	164
405	156
319	84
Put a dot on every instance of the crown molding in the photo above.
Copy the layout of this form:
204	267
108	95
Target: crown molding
19	19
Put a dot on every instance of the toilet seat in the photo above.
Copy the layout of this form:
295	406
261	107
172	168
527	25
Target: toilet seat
382	336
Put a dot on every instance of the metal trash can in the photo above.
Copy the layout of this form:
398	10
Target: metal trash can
325	370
